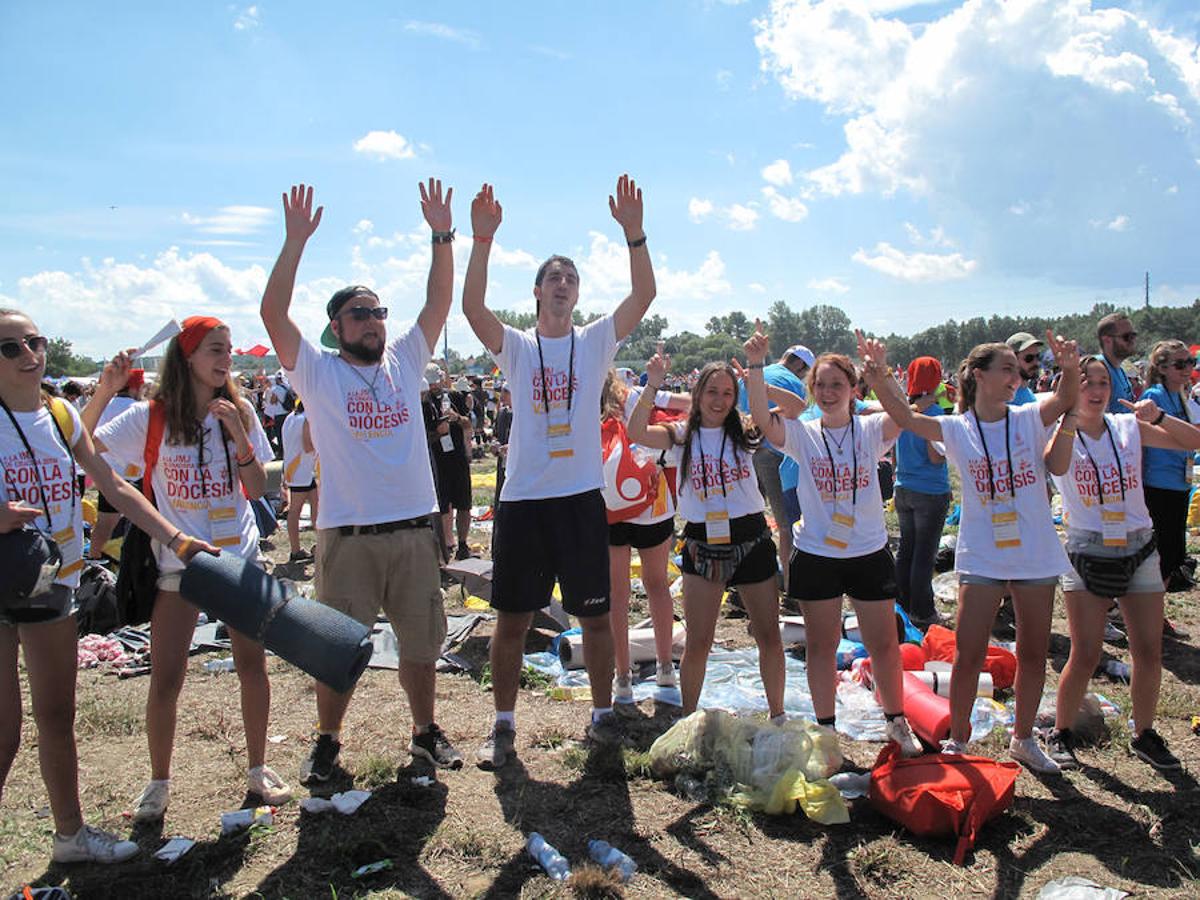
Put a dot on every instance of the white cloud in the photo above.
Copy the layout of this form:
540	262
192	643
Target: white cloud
980	102
935	238
364	226
247	19
384	145
1119	223
790	209
231	220
778	173
699	210
757	288
741	217
444	32
915	267
831	285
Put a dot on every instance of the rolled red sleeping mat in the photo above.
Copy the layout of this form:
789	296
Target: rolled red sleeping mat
927	713
329	645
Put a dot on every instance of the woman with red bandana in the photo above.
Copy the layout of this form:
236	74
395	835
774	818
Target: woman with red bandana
210	449
922	497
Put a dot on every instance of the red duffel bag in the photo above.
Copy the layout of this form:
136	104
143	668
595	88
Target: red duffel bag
1001	664
942	794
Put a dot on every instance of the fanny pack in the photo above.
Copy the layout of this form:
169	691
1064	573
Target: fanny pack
718	562
1109	577
32	561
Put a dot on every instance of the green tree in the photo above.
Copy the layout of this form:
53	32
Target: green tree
784	328
735	325
61	360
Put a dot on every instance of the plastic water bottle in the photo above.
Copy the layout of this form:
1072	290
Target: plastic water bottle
548	858
609	857
220	665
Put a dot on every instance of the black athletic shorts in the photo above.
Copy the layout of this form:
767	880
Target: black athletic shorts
870	577
760	564
303	488
453	484
630	534
538	541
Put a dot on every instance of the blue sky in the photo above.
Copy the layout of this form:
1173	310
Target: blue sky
907	161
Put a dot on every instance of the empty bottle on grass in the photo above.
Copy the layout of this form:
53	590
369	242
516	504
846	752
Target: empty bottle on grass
548	858
609	857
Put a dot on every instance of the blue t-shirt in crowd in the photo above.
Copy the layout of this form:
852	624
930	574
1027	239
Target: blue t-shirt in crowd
915	471
1121	390
789	469
780	376
1020	398
1166	469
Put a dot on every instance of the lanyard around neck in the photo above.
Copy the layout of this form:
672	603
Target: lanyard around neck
833	465
1012	491
720	463
37	471
570	372
1096	468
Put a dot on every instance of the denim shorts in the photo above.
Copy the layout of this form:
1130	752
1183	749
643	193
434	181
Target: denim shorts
965	578
1147	578
54	606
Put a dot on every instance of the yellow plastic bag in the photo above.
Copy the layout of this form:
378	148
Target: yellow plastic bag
477	603
483	480
819	800
90	511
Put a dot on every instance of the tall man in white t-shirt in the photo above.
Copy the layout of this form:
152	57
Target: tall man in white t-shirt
551	523
376	543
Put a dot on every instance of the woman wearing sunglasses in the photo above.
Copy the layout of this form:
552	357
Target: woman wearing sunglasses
210	446
41	447
1169	472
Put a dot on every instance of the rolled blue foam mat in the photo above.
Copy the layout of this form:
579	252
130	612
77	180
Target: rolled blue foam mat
329	645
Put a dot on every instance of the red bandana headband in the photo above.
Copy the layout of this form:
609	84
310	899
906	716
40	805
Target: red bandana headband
194	330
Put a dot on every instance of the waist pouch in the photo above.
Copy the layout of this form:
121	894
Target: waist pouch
1107	576
718	562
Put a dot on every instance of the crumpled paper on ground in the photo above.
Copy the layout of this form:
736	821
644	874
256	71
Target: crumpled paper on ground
346	802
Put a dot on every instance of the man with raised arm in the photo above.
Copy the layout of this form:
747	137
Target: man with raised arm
376	539
551	522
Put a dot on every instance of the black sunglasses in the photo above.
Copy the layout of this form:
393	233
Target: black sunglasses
1031	357
1127	336
362	313
11	348
1179	364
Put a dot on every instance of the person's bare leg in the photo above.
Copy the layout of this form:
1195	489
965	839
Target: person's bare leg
701	606
977	608
1034	608
658	597
508	648
1143	618
10	702
251	661
618	618
822	631
877	625
598	657
762	605
1086	615
419	681
172	625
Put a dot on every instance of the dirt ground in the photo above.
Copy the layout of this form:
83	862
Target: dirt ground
1114	821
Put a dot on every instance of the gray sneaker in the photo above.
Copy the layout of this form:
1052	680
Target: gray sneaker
500	745
433	747
607	731
1060	747
92	845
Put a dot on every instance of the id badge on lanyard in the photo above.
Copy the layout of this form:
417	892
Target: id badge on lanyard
71	550
558	434
716	527
1006	531
224	527
1112	527
447	443
841	527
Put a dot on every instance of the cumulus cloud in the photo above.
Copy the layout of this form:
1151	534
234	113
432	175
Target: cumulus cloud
831	285
741	217
384	145
1032	118
246	19
778	173
915	267
790	209
699	210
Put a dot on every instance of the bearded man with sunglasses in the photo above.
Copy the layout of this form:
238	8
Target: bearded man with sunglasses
376	543
1029	363
1117	340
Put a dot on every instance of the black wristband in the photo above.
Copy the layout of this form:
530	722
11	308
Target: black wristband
1162	414
756	365
640	242
443	237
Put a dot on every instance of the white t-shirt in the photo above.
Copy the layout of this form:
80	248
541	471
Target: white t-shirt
1039	553
531	473
700	488
368	431
299	466
200	497
19	480
824	491
131	470
1081	506
273	401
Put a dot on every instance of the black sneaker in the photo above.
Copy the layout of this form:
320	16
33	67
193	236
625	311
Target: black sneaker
463	552
321	760
1150	748
1180	581
433	746
1060	747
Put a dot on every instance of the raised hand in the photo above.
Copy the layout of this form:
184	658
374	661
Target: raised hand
227	414
626	207
433	207
656	370
1066	353
1145	410
757	346
486	213
298	217
872	351
116	372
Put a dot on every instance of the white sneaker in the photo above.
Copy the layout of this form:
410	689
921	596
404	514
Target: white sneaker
951	747
1029	753
664	675
899	732
623	688
151	806
92	845
264	781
